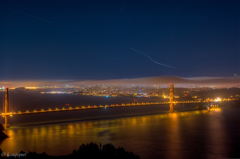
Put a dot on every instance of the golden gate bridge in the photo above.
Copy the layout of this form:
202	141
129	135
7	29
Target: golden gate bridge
19	103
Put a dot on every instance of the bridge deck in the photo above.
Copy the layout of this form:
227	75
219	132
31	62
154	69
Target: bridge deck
97	107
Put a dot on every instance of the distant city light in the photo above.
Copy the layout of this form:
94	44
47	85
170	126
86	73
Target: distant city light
218	99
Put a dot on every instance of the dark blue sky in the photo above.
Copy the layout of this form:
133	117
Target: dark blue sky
80	40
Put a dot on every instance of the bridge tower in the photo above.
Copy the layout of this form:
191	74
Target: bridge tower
171	98
6	109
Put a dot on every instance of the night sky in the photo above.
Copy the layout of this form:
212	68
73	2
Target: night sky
82	40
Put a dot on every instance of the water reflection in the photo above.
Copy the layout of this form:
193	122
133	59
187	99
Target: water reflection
175	135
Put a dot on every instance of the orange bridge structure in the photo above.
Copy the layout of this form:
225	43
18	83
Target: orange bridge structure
21	106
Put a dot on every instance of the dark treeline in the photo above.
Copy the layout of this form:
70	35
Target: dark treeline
92	150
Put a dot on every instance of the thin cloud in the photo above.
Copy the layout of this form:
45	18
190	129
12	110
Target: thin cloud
162	80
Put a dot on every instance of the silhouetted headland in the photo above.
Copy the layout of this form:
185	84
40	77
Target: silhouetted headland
92	150
2	134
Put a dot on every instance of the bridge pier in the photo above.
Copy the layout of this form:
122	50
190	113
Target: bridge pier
6	125
171	108
171	99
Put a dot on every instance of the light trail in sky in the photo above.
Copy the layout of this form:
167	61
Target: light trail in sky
111	58
27	14
151	58
122	9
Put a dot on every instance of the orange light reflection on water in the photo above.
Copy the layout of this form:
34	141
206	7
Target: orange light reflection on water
128	132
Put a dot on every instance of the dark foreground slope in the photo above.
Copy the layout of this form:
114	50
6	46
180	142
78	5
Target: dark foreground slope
92	150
